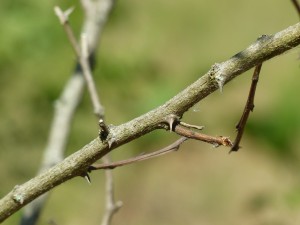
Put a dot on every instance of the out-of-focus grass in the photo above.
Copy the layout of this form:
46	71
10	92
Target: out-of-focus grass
150	50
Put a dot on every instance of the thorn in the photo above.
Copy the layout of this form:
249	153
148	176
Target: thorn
171	119
110	142
104	130
220	81
87	177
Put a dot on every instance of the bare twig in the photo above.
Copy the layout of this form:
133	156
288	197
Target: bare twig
170	148
191	126
297	6
82	55
79	161
111	206
215	141
248	108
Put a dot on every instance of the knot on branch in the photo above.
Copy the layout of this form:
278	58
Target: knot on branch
216	75
18	196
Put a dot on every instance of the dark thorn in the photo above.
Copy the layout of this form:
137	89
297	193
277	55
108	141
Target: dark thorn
87	177
104	130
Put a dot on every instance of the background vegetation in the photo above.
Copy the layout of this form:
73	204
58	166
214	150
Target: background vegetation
150	50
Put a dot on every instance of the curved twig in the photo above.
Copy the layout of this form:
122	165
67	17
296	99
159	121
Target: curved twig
111	165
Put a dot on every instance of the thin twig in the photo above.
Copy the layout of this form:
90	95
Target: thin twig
170	148
248	107
297	6
64	110
63	17
215	141
191	125
111	206
82	55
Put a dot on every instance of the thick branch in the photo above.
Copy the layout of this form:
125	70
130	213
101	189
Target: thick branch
263	49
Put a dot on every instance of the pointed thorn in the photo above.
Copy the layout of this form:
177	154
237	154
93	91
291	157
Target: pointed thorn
110	142
171	122
87	178
171	119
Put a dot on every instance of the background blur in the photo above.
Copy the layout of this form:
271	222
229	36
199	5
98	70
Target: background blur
151	50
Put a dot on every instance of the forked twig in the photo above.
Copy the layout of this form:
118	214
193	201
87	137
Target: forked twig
248	107
82	55
111	206
172	147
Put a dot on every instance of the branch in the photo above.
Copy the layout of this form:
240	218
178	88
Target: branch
263	49
82	55
173	147
215	141
111	206
240	127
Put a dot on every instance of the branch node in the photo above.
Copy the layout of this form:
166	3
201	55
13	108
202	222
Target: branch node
18	197
217	75
264	37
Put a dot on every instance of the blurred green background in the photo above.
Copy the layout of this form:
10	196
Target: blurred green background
151	50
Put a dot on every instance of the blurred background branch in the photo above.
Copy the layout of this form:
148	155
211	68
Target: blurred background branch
66	105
